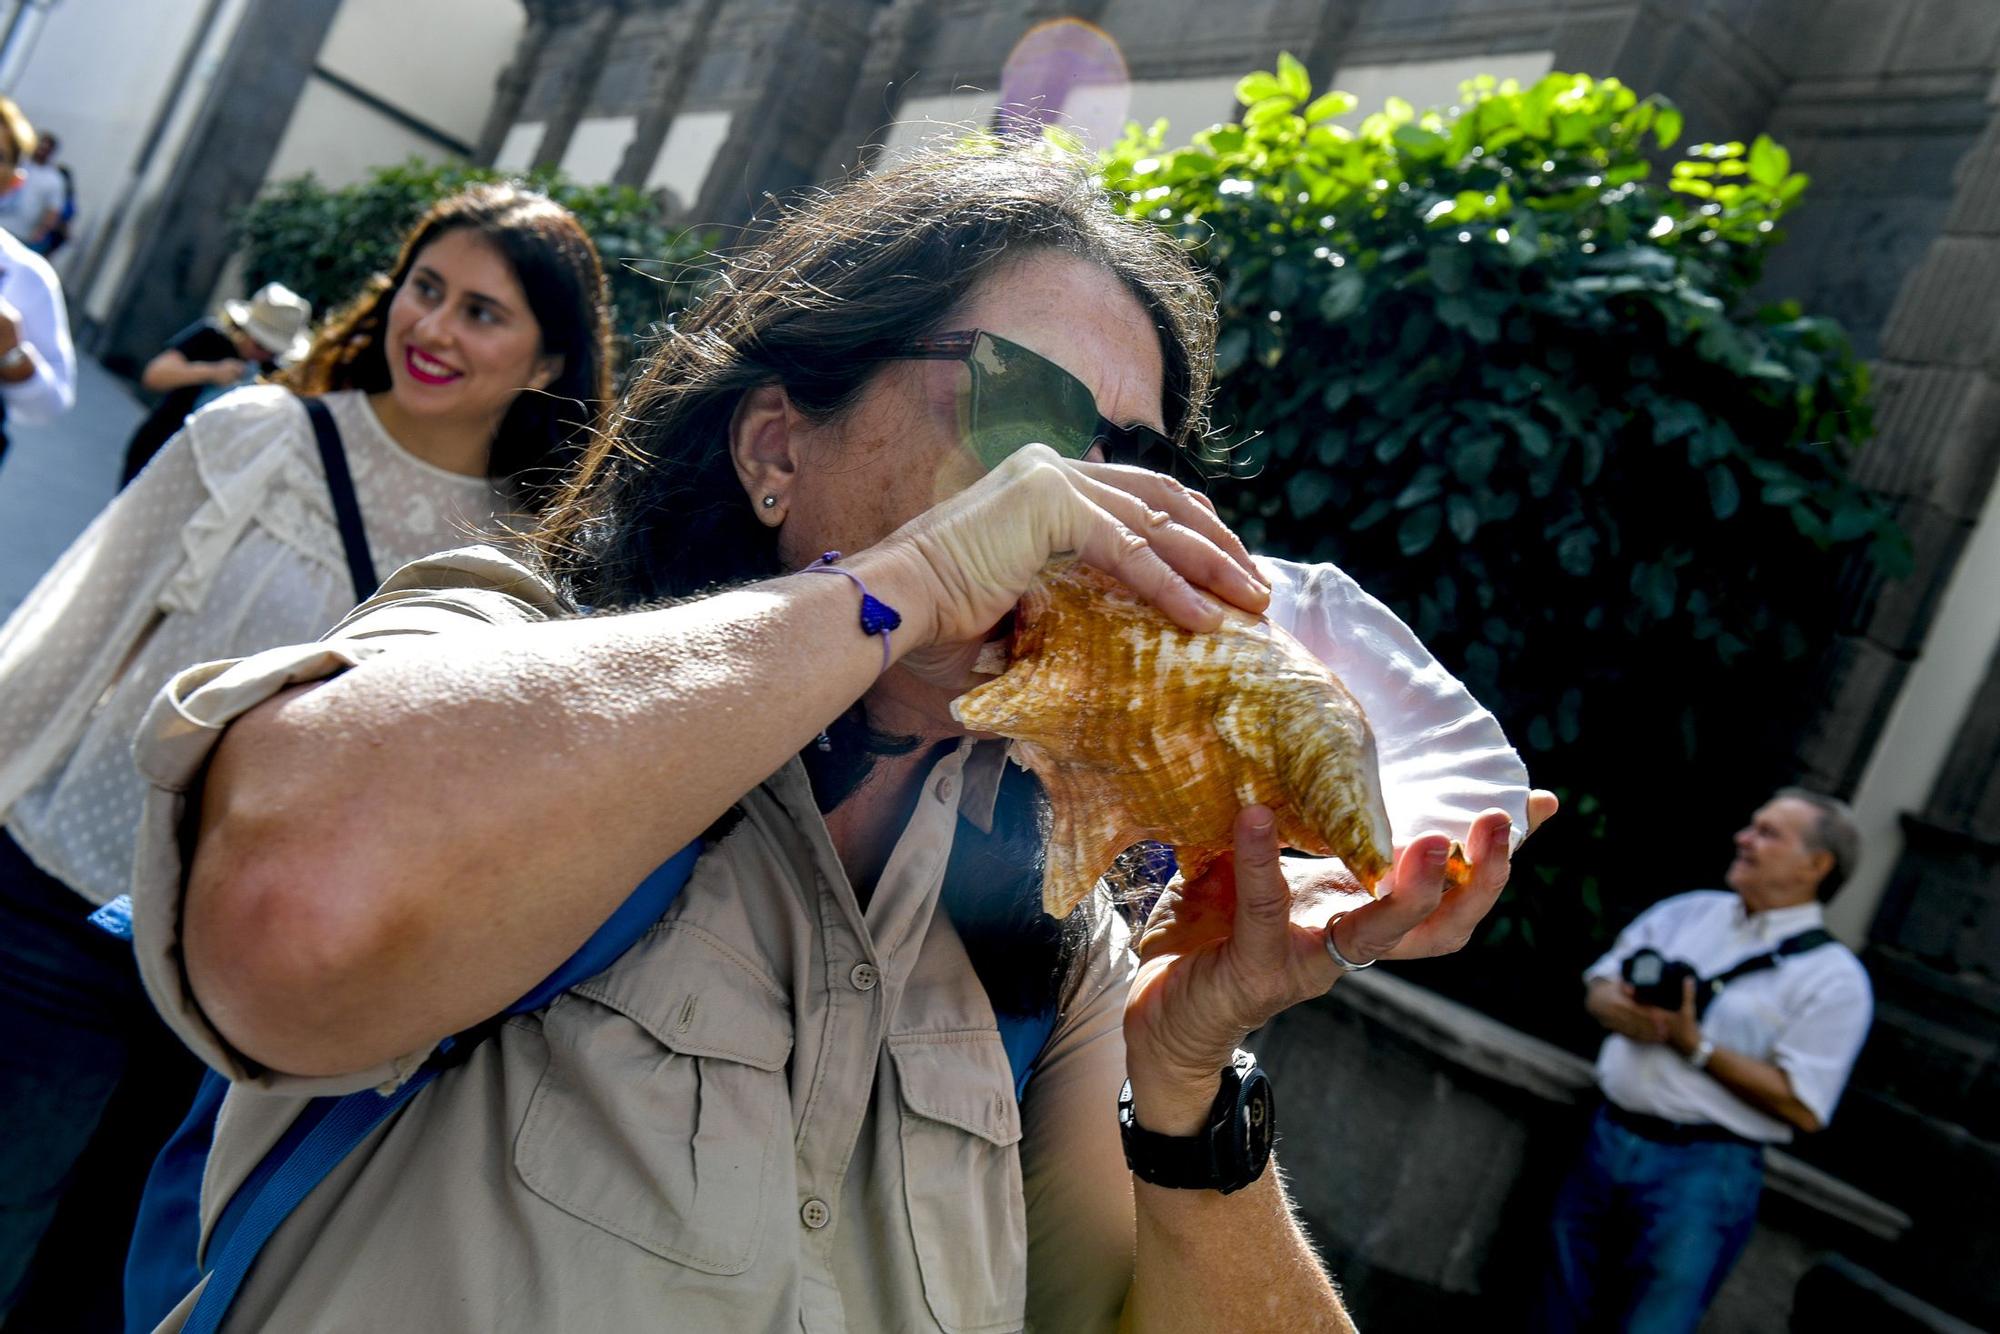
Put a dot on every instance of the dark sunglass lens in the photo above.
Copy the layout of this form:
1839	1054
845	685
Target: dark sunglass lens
1019	397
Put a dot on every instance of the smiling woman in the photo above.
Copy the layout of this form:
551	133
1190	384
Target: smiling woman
440	401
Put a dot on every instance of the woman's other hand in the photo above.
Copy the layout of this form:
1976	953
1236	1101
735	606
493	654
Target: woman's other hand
1222	954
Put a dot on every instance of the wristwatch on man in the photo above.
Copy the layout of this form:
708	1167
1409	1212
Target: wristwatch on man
1698	1058
1230	1150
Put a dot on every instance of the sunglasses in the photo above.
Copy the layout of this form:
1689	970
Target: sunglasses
1018	396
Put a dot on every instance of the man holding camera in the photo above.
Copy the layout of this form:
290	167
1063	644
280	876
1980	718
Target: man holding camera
1734	1020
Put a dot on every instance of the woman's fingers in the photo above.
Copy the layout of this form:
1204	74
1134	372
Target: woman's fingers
1128	557
1542	804
1165	501
1191	547
1373	930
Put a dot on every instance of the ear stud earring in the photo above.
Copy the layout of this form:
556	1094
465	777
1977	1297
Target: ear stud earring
770	502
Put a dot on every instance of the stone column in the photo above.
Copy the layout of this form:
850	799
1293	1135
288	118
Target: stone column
512	87
897	41
806	57
592	45
181	250
673	70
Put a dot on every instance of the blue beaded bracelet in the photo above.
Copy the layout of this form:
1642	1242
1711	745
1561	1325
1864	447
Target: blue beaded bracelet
877	616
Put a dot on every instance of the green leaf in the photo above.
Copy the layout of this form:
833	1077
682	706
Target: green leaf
1577	552
1850	521
1463	516
1371	514
1418	530
1268	109
1419	142
1667	125
1252	88
1327	106
1423	487
1451	272
1292	77
1307	492
1472	458
1769	164
1342	296
1723	495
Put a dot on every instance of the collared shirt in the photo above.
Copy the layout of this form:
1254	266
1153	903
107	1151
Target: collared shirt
1808	1015
28	284
778	1111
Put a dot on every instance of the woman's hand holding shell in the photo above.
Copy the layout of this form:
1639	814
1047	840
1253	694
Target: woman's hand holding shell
978	551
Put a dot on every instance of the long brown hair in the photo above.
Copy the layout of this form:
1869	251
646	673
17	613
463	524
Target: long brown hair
655	509
546	431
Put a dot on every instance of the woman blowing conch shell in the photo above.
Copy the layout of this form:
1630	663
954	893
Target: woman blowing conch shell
1141	730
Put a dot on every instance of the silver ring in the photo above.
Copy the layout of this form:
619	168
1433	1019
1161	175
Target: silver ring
1345	964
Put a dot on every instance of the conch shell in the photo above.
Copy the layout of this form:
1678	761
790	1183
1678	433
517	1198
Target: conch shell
1141	730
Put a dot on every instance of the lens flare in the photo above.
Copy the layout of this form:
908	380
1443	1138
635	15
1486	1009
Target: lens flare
1066	73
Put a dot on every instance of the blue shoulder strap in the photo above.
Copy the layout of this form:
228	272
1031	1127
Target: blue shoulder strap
161	1268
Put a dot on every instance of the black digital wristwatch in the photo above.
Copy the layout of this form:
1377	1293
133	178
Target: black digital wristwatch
1230	1150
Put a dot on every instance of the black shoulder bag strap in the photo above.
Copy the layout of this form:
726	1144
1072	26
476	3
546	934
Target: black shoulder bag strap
1757	963
346	509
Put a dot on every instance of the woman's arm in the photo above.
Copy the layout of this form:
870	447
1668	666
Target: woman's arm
1218	959
172	370
404	850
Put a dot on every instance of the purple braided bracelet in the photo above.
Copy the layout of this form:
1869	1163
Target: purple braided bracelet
877	616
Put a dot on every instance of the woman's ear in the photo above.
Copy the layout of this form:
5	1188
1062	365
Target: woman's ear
548	370
763	444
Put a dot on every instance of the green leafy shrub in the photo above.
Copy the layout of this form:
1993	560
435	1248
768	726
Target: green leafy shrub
1494	366
325	243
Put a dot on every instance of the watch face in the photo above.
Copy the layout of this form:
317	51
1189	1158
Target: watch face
1258	1121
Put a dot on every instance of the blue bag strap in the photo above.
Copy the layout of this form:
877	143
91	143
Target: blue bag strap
346	509
347	1122
319	1138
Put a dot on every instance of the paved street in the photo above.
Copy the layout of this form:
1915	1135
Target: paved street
55	478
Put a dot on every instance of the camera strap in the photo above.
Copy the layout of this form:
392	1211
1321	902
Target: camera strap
1712	987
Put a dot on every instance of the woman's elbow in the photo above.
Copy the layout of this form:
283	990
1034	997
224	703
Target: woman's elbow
280	940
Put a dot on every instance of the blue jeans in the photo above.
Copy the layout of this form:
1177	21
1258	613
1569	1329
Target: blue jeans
91	1084
1644	1232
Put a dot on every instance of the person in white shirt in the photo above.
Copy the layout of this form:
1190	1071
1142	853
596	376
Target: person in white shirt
1771	1013
37	363
31	189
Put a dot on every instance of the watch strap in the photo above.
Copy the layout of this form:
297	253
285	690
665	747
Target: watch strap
1226	1154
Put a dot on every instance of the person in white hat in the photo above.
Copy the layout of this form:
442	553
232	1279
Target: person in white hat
238	344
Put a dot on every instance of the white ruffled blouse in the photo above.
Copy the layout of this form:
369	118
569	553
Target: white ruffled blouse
224	546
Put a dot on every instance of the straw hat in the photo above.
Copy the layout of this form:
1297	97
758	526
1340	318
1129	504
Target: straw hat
275	318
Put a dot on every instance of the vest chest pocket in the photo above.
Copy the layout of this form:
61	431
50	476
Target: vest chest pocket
665	1102
961	1132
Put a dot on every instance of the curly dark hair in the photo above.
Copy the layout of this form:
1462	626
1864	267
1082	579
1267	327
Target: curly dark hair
544	433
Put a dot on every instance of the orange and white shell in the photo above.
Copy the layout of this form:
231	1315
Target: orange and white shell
1141	730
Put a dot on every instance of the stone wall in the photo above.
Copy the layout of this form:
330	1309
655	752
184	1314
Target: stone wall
1424	1143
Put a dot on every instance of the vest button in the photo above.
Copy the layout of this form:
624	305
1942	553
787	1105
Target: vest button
944	788
815	1214
864	976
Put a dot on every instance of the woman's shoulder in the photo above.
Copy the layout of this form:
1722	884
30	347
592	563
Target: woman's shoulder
258	411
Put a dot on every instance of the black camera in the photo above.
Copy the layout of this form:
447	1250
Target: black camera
1657	980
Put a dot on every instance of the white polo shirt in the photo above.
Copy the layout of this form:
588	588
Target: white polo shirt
1809	1015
